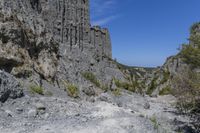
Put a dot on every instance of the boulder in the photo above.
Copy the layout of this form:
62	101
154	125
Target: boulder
9	87
89	91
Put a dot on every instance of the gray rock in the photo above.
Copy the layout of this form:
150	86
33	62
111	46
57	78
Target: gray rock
113	86
89	91
40	106
39	39
9	113
104	97
9	87
146	105
32	113
19	110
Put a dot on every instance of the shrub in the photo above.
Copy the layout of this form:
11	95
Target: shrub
165	91
37	89
92	78
166	76
72	90
105	87
154	121
49	93
191	55
187	90
117	92
124	85
152	86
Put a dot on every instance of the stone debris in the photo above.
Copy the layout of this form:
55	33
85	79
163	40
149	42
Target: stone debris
9	87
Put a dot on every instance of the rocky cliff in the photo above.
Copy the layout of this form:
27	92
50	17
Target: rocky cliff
57	75
52	40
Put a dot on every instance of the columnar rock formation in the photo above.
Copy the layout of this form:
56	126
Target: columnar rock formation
54	40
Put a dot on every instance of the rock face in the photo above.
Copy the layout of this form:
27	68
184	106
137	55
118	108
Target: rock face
9	87
54	40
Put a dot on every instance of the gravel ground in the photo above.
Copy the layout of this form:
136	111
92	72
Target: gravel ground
128	113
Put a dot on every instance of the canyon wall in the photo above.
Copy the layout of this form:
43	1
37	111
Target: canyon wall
53	40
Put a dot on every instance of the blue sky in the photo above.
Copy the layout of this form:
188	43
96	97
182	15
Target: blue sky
145	32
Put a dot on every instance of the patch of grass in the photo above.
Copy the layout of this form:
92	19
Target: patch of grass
155	122
92	78
165	91
37	89
166	76
117	92
152	86
105	87
124	85
49	93
72	90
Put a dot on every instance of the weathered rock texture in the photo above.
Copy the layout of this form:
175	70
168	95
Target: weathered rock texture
9	87
53	39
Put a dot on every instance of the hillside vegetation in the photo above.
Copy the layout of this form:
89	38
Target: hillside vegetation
187	83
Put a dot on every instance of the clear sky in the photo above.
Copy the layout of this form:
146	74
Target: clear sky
145	32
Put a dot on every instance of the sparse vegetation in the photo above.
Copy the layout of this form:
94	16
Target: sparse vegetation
72	90
117	92
37	89
92	78
105	87
48	93
187	83
190	53
187	90
155	122
124	85
166	76
165	91
152	86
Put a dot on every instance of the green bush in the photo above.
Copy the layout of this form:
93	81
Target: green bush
117	92
37	89
191	55
155	122
194	28
124	85
48	93
152	86
92	78
105	87
187	91
166	76
72	90
165	91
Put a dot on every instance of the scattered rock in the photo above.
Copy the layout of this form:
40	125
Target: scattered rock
40	106
146	105
89	91
32	113
104	97
9	87
113	86
46	116
19	110
9	113
119	104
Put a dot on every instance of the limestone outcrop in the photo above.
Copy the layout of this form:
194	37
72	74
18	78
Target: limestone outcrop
9	87
53	40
